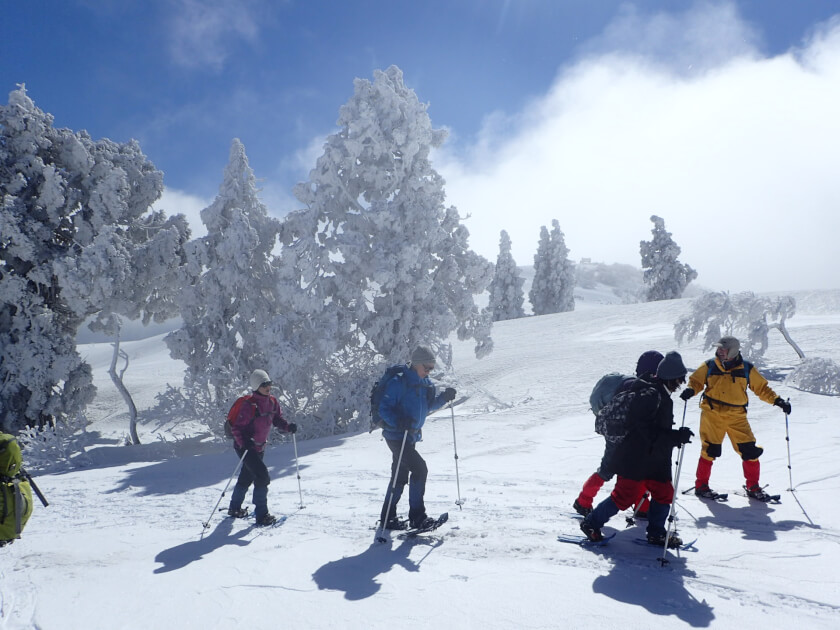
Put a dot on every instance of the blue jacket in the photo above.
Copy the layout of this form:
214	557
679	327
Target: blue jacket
408	396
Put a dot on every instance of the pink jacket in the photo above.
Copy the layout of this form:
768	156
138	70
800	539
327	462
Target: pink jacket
254	421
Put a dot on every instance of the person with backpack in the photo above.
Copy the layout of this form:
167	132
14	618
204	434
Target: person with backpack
643	458
605	389
723	383
15	491
250	431
407	399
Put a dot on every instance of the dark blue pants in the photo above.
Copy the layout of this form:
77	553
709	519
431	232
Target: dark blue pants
413	471
254	472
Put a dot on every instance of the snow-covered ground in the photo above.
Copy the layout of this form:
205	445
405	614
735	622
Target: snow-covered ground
120	545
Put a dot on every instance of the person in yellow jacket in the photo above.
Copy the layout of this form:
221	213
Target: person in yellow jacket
723	411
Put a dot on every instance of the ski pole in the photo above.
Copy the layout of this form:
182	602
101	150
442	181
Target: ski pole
671	513
393	487
787	439
215	507
631	520
297	469
34	487
459	502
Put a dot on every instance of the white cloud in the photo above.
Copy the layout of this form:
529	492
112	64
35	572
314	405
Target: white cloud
177	202
203	32
737	153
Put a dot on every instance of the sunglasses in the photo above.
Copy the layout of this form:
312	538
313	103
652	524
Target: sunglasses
428	367
267	384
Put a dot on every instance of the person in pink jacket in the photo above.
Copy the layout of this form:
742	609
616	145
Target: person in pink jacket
250	433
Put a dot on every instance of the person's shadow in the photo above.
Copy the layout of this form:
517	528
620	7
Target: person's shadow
752	520
660	591
181	555
356	575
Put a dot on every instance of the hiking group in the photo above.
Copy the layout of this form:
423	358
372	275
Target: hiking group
400	402
634	414
636	417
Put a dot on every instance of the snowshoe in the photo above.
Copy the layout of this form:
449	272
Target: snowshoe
757	492
583	511
705	492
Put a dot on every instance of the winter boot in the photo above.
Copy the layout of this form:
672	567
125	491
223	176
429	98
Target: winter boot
237	512
266	520
705	492
757	492
659	539
421	522
396	523
590	531
583	511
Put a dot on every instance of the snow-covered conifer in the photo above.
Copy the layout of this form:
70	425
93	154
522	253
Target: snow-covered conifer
75	221
552	290
540	293
230	288
379	262
665	276
506	294
562	272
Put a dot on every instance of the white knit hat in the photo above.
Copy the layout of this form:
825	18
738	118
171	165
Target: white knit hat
259	377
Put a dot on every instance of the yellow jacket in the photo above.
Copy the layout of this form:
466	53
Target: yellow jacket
727	386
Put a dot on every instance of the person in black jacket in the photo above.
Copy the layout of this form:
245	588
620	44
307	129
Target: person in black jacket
643	459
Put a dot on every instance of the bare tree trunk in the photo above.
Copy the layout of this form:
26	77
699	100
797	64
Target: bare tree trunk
118	383
783	329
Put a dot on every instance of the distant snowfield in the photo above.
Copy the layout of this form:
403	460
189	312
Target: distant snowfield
120	545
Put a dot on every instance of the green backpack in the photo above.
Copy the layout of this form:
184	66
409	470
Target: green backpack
15	491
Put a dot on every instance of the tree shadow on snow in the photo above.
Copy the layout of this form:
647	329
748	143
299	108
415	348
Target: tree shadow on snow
180	556
660	590
356	575
182	474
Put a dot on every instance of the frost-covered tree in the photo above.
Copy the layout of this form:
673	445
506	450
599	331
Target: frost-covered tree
562	272
506	294
540	293
817	376
75	222
552	290
743	315
664	275
375	263
229	289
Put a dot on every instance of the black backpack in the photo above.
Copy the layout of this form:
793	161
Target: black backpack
612	420
378	391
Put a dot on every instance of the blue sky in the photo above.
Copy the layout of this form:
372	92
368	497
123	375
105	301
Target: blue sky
718	116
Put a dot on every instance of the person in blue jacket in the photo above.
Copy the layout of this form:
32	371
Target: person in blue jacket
408	398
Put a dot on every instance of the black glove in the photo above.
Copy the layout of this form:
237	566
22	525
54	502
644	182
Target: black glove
687	393
782	404
449	394
684	435
292	428
404	423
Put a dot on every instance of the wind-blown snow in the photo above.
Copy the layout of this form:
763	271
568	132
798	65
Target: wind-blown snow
120	546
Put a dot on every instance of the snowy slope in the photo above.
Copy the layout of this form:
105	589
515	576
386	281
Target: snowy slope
120	545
